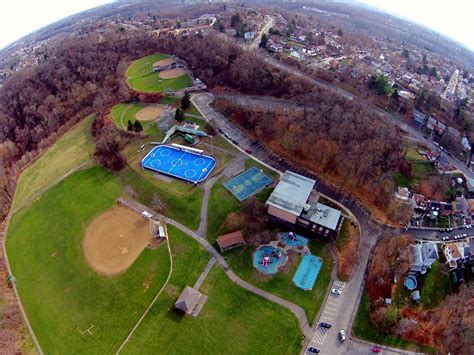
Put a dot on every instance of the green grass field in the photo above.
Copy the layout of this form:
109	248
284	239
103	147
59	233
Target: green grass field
72	151
420	169
221	204
436	285
140	76
233	321
63	296
128	111
364	329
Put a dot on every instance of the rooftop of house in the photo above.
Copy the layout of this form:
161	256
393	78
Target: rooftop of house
291	193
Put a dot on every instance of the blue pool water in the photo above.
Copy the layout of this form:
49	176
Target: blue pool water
184	165
273	260
308	271
298	241
410	282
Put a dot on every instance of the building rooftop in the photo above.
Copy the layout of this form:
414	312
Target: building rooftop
230	239
188	300
291	193
323	215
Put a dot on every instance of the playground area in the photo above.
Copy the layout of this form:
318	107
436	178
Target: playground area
248	183
172	73
115	239
267	259
293	240
181	162
150	113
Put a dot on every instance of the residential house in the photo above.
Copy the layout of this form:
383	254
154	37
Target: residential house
452	255
424	254
435	125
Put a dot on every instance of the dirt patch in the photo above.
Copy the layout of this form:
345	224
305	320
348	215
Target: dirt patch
150	113
114	240
347	252
172	73
163	62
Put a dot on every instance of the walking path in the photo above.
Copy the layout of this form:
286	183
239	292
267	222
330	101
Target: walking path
204	274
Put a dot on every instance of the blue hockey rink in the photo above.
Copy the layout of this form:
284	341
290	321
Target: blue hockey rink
178	163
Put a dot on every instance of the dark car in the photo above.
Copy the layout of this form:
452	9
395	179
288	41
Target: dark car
221	130
313	350
248	151
325	325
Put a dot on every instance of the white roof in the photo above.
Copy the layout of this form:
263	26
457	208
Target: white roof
291	193
326	216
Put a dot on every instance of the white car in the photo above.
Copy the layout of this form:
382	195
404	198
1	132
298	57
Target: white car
446	238
342	335
336	291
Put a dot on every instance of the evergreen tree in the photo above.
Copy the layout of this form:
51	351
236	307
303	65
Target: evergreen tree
263	41
340	33
179	115
129	126
185	101
137	126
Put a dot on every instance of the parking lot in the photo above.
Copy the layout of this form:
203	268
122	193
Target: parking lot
328	315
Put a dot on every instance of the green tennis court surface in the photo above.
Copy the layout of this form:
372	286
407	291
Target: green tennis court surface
248	183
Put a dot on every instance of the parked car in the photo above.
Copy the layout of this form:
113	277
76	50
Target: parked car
249	151
336	291
464	235
313	350
446	238
221	131
342	335
325	325
375	349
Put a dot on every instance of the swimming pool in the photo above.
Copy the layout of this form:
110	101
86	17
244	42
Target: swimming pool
268	259
307	272
410	282
179	163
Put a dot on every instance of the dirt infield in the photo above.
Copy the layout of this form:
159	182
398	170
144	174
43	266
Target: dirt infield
150	112
163	62
172	73
114	240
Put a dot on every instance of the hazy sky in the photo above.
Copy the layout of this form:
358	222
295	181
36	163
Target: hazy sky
453	18
21	17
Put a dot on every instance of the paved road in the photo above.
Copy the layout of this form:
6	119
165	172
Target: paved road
268	23
370	231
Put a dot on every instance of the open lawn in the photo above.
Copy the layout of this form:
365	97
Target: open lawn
122	113
420	169
221	204
61	294
436	285
233	321
281	284
141	77
71	152
182	201
364	329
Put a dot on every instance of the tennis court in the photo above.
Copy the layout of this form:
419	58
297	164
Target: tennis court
248	183
179	163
